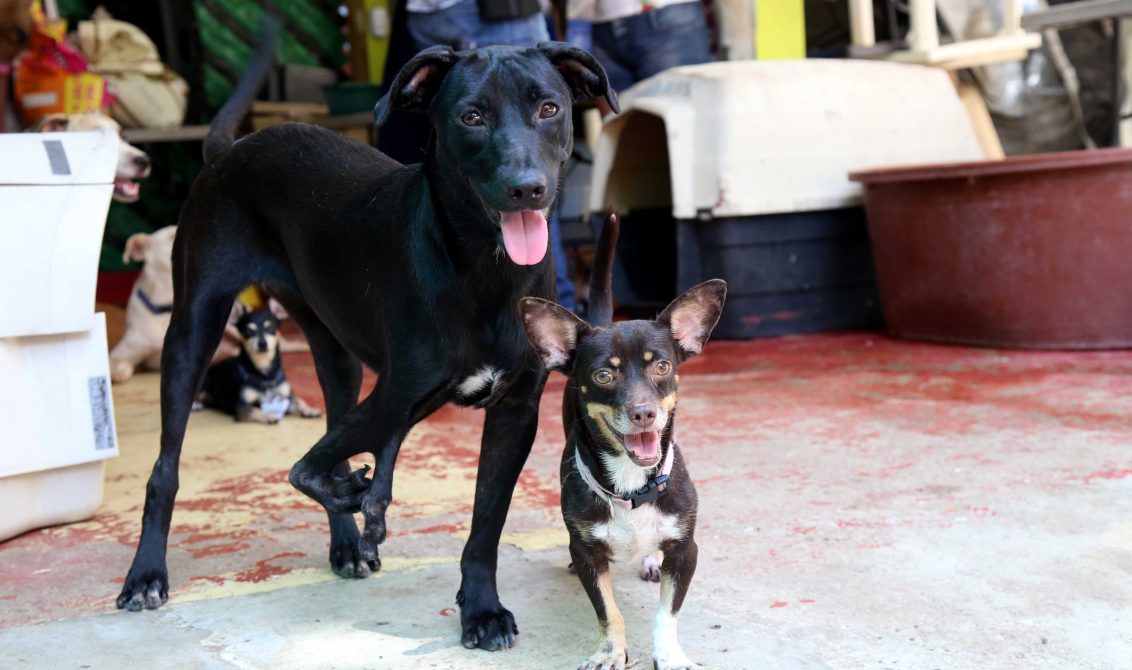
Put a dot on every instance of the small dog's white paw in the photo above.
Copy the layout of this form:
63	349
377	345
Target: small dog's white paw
609	657
670	656
650	567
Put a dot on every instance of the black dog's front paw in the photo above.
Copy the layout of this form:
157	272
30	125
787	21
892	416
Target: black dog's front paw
339	495
345	556
147	590
489	628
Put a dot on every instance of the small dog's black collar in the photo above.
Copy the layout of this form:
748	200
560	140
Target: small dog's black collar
156	309
654	489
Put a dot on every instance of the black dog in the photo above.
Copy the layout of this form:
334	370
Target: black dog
252	386
414	271
625	491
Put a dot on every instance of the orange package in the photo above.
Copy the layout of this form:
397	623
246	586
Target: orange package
52	77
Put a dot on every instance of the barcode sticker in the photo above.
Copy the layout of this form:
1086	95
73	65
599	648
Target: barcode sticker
99	388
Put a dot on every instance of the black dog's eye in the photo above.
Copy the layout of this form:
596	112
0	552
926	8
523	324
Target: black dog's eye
663	368
472	119
603	377
549	110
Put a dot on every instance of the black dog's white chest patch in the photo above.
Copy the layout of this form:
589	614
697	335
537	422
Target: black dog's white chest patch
481	388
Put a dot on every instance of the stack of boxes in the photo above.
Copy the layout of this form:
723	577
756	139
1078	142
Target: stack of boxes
56	409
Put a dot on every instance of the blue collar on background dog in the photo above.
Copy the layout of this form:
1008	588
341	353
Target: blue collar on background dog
156	309
653	489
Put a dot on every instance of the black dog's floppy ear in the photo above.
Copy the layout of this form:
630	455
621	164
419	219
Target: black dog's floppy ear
692	316
585	76
416	83
553	330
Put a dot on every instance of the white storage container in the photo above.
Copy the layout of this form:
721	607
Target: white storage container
55	190
740	170
56	427
56	409
753	137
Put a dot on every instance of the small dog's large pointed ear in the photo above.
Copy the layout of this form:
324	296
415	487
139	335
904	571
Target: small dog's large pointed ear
585	76
692	316
553	330
416	83
137	245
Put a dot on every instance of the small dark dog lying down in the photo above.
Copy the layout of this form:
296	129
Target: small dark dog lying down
414	271
625	491
252	386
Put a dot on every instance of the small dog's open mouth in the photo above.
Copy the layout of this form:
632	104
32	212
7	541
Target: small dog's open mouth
126	190
643	448
525	236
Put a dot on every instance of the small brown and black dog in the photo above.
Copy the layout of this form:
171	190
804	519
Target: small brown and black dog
252	386
625	490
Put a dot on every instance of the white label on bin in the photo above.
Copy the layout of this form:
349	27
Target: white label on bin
99	388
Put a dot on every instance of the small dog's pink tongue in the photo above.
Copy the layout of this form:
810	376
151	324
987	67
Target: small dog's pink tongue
643	445
525	236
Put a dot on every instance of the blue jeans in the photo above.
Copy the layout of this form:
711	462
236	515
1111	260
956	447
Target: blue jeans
639	46
460	27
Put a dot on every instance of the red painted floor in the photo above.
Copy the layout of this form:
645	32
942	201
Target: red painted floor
802	447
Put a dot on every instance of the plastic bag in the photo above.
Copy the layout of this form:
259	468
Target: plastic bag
147	94
51	77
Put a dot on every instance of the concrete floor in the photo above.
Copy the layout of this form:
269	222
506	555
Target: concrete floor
865	503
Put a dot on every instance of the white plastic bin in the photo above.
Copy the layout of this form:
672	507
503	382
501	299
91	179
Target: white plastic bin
56	427
55	190
740	170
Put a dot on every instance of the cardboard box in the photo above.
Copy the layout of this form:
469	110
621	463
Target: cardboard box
56	425
55	190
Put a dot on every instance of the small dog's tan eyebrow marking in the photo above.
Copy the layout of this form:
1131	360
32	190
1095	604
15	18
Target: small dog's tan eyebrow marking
648	356
614	362
677	379
584	389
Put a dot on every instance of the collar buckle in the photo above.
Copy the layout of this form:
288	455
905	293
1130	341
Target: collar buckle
649	493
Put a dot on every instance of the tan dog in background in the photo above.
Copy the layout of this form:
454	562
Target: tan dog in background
133	163
149	306
151	303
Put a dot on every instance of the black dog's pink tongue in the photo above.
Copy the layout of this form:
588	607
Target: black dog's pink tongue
525	236
643	445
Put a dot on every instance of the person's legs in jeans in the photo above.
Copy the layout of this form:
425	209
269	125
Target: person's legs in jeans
607	50
669	37
461	28
640	46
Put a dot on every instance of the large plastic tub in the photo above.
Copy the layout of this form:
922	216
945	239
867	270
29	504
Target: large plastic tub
1026	252
55	190
56	427
739	170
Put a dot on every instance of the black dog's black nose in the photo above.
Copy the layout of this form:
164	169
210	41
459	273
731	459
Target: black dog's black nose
527	190
261	345
642	415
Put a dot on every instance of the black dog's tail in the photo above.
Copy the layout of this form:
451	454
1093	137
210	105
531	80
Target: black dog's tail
600	312
223	131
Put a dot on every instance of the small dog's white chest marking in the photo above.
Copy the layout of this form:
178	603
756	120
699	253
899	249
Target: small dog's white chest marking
481	383
632	533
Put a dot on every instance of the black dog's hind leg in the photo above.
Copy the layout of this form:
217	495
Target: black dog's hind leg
195	329
508	433
340	376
